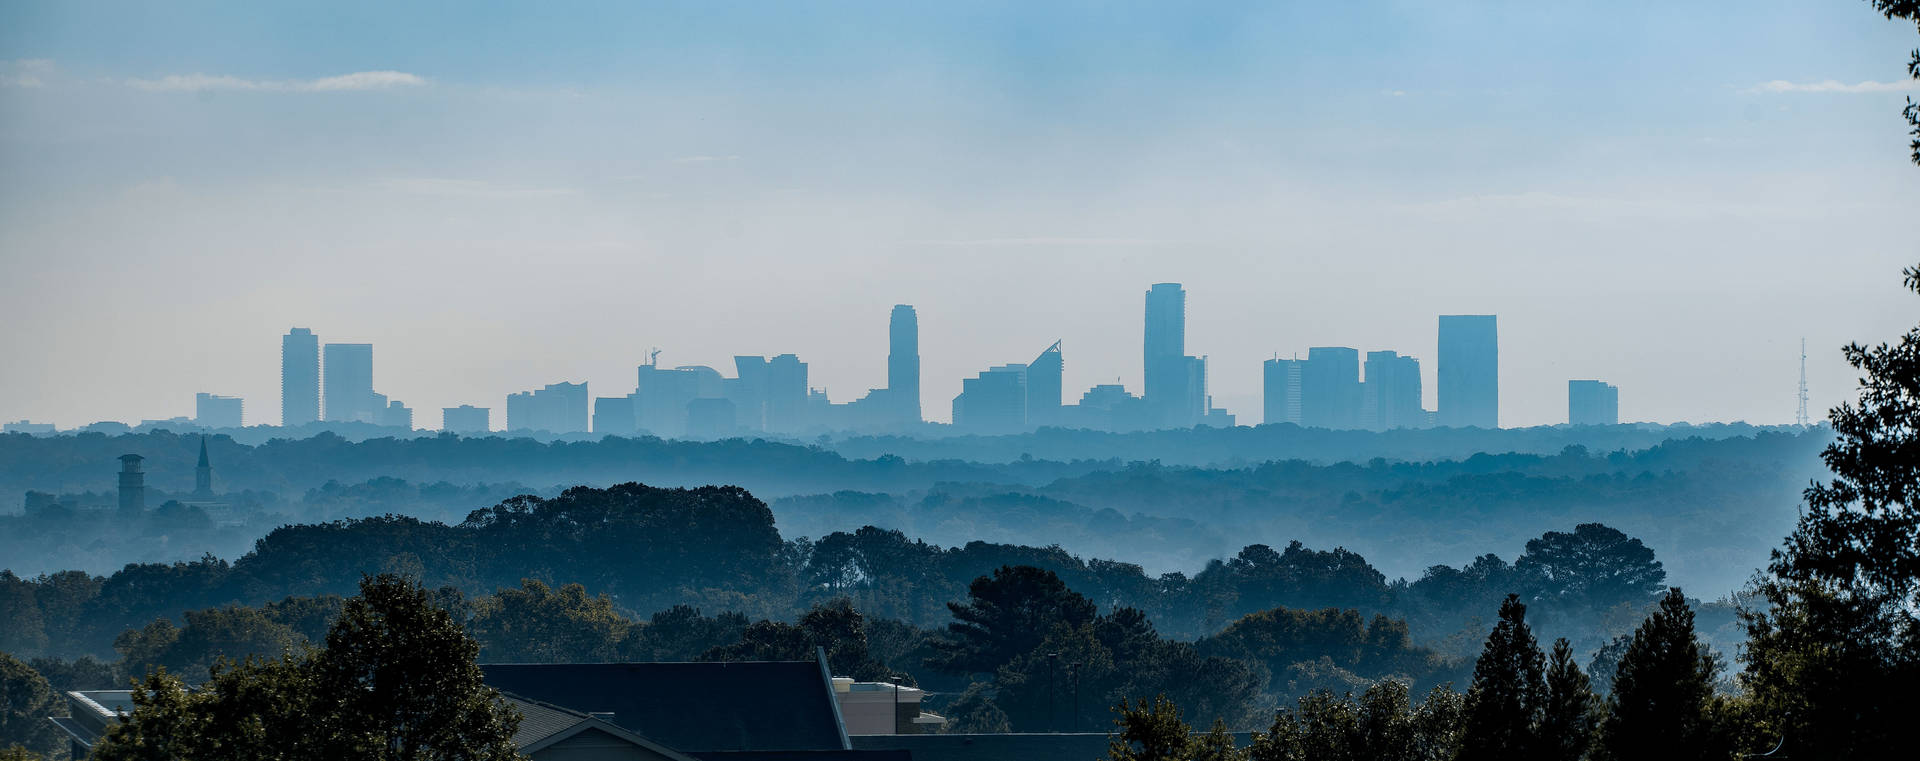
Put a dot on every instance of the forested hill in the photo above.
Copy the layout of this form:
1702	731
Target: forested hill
1213	447
85	462
716	548
1714	506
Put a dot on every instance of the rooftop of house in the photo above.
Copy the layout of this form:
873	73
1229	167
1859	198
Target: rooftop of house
692	707
543	725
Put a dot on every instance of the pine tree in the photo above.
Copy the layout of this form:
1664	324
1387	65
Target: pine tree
1571	712
1834	653
1663	703
1508	691
1150	732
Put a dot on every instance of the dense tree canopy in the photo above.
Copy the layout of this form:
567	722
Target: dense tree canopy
26	700
396	680
1834	648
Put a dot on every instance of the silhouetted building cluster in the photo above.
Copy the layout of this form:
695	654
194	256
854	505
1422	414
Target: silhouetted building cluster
554	408
1327	389
1333	387
338	390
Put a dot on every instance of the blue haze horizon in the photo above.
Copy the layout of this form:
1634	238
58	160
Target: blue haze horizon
1666	198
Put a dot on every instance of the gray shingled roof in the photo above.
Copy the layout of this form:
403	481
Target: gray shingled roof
692	707
539	721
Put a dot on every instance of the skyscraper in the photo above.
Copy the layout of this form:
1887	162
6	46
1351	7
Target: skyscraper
1043	387
299	377
1469	371
216	411
903	362
1281	388
1591	402
348	388
786	394
1390	396
1165	369
1330	388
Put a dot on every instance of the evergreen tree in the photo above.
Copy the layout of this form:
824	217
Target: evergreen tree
1217	745
1571	712
1508	692
1832	657
1150	732
1663	704
26	700
396	682
405	681
1005	616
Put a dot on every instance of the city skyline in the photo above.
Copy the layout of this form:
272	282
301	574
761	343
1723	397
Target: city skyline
754	190
1330	389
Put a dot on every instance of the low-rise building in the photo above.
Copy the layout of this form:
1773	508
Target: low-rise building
883	708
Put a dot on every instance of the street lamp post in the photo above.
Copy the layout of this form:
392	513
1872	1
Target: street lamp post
1053	666
1073	673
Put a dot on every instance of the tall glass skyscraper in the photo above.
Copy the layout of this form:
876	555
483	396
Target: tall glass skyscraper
299	377
349	384
1167	374
1469	371
903	363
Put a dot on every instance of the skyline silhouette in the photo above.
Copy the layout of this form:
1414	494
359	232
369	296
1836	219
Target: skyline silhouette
709	183
1329	389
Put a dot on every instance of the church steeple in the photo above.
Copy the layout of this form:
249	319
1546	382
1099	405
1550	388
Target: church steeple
203	473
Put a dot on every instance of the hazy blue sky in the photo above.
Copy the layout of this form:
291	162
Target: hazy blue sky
1665	195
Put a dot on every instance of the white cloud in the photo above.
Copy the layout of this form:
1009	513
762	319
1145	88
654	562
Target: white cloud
25	72
1831	85
704	159
1038	241
457	188
359	80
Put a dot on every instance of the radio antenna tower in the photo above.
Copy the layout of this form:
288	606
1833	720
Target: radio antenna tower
1801	417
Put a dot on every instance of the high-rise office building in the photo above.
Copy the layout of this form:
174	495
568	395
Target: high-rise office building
1043	386
711	417
1469	371
1390	396
1280	390
466	418
1167	374
903	362
1330	388
554	408
786	394
1591	402
994	401
299	377
747	389
216	411
348	388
